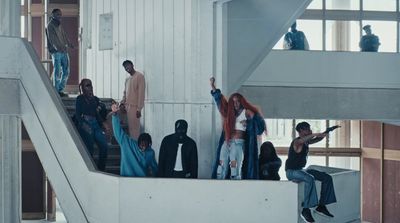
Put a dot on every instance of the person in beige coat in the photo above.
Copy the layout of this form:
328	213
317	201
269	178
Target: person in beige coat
133	99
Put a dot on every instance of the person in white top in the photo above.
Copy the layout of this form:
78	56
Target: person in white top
242	122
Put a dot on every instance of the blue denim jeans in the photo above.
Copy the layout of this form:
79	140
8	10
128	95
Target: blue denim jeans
61	70
91	132
308	176
232	151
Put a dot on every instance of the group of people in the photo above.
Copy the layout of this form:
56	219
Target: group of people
297	40
237	154
178	152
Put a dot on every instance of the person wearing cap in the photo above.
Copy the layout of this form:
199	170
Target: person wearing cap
178	154
369	42
296	161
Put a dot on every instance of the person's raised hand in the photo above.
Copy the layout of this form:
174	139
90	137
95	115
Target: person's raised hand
212	82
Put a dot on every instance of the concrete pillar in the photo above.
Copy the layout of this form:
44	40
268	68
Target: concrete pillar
10	169
10	18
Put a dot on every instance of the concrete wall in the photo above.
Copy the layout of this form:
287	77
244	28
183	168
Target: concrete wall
327	69
252	28
326	85
10	171
170	41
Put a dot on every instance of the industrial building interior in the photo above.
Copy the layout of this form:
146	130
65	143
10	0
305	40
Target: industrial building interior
47	174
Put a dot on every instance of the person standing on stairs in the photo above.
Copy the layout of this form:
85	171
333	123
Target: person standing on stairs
58	44
90	122
133	99
137	156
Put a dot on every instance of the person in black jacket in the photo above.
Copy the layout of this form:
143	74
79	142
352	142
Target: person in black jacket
269	162
178	154
90	121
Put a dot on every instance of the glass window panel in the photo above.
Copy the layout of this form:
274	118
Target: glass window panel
279	132
381	5
348	136
342	35
22	26
343	4
352	163
316	126
22	2
386	31
313	31
316	160
315	4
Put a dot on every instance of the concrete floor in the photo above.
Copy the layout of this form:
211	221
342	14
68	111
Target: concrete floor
60	218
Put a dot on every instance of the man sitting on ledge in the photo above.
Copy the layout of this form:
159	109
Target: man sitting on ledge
295	163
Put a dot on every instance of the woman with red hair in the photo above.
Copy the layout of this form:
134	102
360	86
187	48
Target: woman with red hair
238	151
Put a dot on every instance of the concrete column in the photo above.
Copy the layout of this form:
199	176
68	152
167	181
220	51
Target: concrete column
10	169
10	18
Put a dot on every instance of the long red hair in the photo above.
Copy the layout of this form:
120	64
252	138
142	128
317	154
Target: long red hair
227	110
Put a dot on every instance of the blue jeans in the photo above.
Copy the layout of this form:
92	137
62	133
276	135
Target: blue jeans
61	70
308	176
231	152
91	132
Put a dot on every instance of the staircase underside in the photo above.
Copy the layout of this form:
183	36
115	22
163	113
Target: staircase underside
327	85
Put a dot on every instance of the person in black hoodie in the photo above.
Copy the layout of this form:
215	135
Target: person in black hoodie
178	154
269	162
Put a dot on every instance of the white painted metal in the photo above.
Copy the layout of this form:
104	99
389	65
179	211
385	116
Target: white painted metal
10	171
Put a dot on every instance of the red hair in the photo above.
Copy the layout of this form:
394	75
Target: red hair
227	110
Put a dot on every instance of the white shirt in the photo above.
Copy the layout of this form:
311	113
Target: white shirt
178	162
239	121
